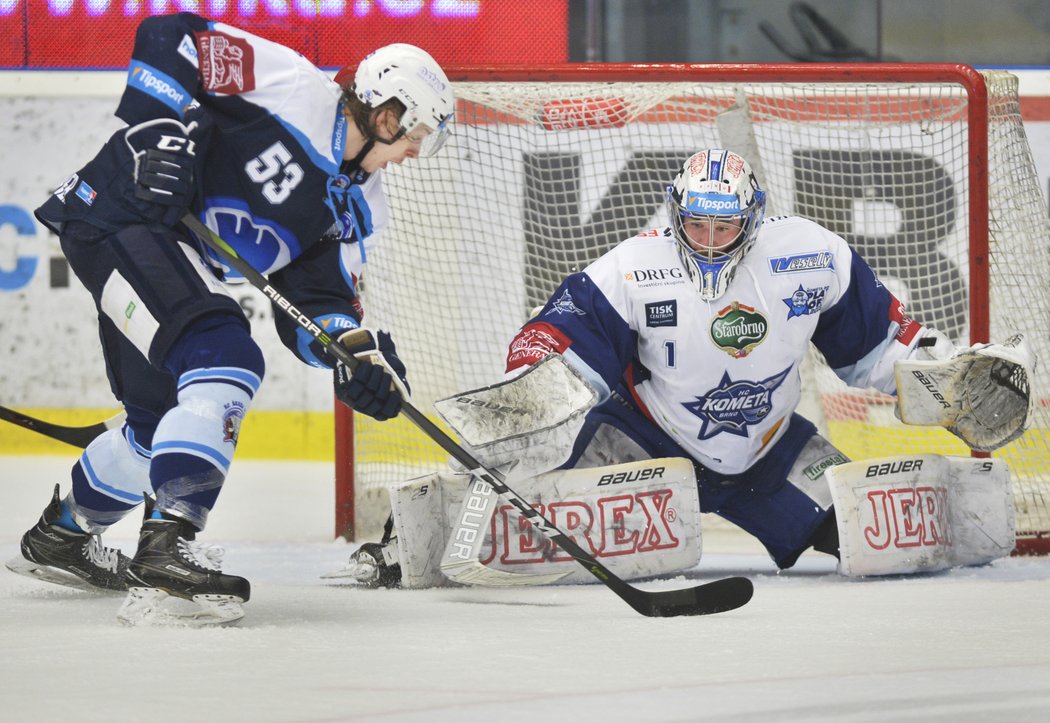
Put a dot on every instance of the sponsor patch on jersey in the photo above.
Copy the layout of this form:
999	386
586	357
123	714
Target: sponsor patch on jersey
534	342
908	326
188	50
805	301
661	313
801	262
227	64
645	278
564	305
159	85
734	406
86	193
67	185
737	329
336	324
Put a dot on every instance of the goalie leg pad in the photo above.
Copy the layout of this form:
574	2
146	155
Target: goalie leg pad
921	513
640	519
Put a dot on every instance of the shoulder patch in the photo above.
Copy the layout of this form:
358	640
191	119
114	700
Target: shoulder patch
227	64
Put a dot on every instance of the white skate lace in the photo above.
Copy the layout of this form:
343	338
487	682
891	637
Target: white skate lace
97	554
207	556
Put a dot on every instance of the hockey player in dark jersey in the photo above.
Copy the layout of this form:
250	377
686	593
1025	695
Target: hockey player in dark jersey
285	165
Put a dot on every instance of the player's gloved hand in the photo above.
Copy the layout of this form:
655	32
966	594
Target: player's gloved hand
165	153
378	386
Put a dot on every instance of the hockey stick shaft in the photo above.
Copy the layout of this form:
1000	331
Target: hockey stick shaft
75	436
713	597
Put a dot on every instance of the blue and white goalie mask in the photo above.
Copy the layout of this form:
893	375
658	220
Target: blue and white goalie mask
715	207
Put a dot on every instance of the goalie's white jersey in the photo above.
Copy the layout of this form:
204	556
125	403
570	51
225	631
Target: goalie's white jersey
722	378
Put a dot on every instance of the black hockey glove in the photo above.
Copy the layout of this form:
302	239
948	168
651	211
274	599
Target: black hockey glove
165	152
378	385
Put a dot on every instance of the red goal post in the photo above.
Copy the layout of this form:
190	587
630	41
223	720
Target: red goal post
924	168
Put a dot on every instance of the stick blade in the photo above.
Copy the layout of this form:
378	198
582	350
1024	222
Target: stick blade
474	573
713	597
76	436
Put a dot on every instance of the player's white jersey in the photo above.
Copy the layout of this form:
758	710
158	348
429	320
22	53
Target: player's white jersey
722	377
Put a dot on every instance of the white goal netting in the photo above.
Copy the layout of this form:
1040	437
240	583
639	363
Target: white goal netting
541	177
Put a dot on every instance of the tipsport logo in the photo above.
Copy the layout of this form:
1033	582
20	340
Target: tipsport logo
159	85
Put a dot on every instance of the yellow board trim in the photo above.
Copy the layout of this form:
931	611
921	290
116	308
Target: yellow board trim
265	434
269	434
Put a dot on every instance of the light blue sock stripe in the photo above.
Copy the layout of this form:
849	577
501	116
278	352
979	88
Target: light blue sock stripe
129	435
219	374
195	449
100	486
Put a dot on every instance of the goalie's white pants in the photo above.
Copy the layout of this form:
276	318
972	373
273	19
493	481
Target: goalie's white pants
782	500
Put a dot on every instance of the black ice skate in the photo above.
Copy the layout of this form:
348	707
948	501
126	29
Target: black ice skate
175	579
74	559
374	564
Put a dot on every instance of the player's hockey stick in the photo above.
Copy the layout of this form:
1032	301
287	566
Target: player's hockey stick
76	436
713	597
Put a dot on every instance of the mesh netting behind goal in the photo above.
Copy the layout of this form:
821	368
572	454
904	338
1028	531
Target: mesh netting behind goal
546	172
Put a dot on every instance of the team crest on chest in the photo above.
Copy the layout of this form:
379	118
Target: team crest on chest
733	406
737	329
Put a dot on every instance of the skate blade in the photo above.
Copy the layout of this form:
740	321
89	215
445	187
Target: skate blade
353	571
56	576
150	606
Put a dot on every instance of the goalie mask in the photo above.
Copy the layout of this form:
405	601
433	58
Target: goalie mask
412	76
715	207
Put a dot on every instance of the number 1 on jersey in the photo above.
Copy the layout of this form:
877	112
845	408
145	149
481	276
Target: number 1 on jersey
669	349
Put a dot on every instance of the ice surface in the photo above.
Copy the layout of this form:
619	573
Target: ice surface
965	645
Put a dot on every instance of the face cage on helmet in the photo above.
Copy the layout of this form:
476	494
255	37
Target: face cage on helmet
712	270
431	143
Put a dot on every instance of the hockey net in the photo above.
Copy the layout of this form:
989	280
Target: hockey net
924	169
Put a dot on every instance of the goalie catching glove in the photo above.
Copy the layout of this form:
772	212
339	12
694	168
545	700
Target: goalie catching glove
980	394
378	386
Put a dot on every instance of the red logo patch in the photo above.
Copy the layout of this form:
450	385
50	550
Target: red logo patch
908	326
533	343
227	64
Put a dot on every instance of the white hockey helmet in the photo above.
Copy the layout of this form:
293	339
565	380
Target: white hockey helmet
412	76
715	185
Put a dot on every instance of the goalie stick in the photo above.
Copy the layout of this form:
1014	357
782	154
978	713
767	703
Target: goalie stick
75	436
713	597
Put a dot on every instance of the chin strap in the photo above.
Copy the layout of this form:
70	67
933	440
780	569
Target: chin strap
348	168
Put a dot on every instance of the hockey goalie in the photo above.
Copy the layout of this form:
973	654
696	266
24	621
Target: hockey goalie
663	380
